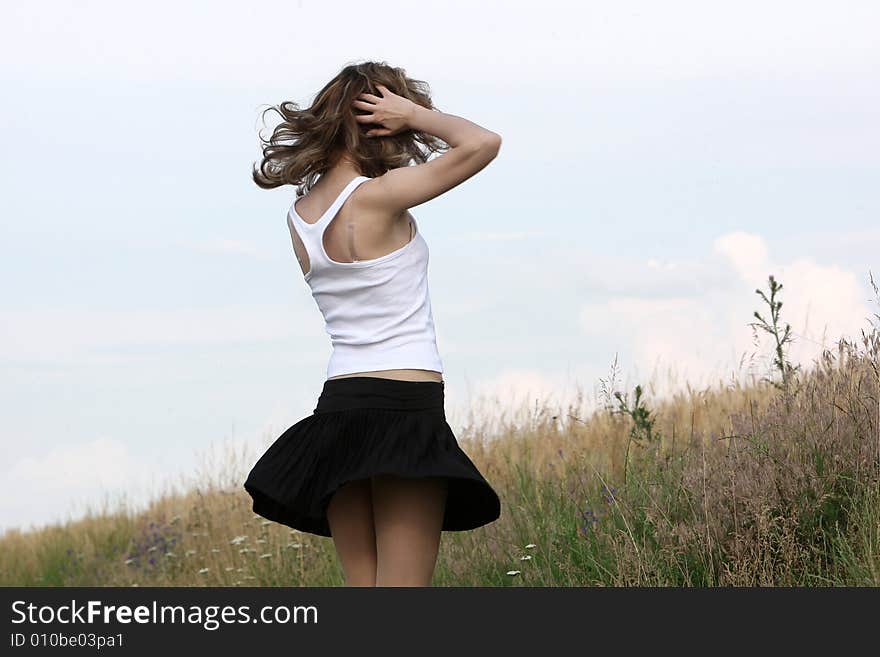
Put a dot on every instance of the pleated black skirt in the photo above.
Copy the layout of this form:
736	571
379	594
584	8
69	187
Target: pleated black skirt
363	426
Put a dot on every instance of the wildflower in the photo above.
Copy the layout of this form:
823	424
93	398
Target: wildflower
202	571
238	539
266	556
152	548
175	519
228	568
215	550
170	554
261	540
513	572
530	546
294	545
128	562
526	557
189	552
590	517
609	493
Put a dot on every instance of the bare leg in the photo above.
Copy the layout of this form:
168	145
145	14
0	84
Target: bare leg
350	516
408	516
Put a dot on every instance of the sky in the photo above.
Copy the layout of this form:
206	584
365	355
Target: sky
659	161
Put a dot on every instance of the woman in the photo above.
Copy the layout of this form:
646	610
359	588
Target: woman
376	466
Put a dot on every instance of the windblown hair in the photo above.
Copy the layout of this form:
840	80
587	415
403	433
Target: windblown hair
310	141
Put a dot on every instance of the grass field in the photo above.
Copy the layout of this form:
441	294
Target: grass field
772	483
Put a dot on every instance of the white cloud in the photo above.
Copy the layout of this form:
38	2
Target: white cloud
816	298
747	253
685	333
48	487
703	335
99	463
819	300
512	393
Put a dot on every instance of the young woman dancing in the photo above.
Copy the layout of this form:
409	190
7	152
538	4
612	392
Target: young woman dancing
376	466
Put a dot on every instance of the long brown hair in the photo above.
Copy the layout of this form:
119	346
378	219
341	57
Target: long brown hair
309	141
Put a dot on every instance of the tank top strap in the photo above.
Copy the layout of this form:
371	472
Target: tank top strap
332	210
312	234
347	191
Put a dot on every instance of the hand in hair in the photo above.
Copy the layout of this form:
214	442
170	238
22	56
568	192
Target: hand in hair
390	111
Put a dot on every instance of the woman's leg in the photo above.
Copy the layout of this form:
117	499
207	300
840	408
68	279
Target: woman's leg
408	516
350	516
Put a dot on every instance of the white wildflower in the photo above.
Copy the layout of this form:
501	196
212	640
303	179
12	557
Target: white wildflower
266	556
513	572
202	571
238	539
526	557
530	546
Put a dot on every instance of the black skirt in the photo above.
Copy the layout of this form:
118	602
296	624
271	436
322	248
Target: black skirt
363	426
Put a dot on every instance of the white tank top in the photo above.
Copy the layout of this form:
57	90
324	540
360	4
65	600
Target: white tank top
378	311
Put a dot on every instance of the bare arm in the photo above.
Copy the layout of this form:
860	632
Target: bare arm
472	148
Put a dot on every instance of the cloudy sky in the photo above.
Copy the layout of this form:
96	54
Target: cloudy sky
659	161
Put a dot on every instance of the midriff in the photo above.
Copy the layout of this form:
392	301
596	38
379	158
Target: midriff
401	375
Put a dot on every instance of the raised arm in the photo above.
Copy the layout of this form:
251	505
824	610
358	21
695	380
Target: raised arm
472	148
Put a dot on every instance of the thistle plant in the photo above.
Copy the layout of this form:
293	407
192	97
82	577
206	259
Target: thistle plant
781	336
643	421
642	431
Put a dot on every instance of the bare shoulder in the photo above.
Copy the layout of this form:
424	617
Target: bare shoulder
371	199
